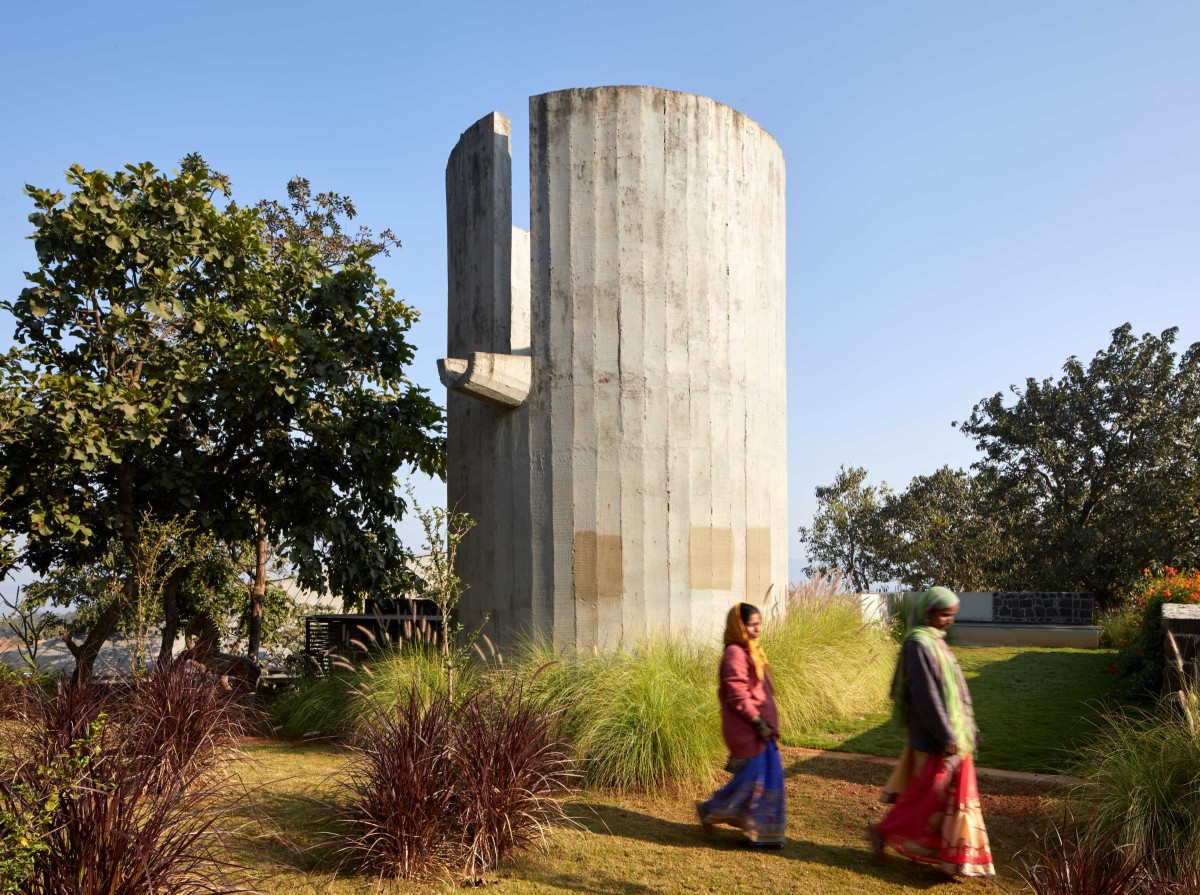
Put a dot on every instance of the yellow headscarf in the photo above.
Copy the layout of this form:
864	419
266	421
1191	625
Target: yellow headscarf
735	632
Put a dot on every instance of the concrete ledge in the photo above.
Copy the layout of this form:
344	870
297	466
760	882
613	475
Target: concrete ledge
993	634
500	379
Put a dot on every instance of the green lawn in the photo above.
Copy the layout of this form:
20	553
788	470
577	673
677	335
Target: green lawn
1032	706
631	844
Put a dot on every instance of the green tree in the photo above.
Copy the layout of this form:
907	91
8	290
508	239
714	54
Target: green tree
939	530
173	359
847	529
1096	474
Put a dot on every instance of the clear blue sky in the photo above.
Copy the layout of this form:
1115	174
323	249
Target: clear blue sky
975	191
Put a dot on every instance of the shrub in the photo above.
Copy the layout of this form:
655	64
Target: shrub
1143	661
1142	787
1119	625
439	785
100	794
1068	860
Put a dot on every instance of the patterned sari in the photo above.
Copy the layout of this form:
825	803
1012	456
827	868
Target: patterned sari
935	816
753	800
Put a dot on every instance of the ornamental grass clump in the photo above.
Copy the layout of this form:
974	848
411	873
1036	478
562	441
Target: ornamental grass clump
829	666
1141	787
317	707
444	787
1069	859
642	718
104	791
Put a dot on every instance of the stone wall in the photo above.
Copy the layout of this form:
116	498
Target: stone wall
1043	608
1003	608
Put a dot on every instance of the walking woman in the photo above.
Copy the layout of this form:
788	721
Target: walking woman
935	816
754	799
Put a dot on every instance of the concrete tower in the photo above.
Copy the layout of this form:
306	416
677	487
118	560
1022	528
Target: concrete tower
617	406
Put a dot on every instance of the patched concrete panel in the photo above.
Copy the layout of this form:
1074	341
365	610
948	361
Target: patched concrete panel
710	558
758	564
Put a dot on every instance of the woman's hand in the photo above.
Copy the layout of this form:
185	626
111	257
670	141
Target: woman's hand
762	729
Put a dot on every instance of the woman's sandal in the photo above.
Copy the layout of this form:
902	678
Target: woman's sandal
876	841
704	825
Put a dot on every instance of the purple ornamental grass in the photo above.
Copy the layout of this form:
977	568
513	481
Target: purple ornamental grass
441	787
120	788
1069	860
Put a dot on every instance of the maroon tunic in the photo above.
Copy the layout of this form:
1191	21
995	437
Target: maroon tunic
743	698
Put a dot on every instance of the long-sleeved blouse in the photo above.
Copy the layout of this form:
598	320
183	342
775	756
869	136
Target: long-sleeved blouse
744	697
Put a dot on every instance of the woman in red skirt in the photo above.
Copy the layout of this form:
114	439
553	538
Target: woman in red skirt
935	816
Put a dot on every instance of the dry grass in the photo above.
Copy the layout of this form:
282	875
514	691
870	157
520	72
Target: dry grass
639	845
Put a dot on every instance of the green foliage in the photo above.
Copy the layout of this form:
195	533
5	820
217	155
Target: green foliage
845	533
1096	474
1143	658
1141	788
175	356
1119	625
641	718
29	806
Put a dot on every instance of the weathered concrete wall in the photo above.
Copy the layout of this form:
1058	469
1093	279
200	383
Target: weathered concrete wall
658	403
487	465
652	490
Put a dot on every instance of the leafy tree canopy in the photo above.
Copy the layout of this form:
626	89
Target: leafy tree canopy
1096	474
845	532
176	355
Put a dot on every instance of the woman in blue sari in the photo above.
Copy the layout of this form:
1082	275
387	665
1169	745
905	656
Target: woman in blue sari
754	799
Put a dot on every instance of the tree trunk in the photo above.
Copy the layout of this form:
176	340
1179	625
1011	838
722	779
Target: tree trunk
171	615
258	592
85	653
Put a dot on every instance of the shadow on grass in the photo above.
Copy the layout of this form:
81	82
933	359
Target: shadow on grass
613	820
1034	709
288	830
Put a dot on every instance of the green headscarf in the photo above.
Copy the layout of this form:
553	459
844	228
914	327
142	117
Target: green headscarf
959	713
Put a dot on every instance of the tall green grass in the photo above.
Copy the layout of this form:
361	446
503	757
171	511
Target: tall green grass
645	717
331	705
829	666
640	718
1142	787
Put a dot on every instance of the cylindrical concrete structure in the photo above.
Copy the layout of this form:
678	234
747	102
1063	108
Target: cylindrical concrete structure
653	489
